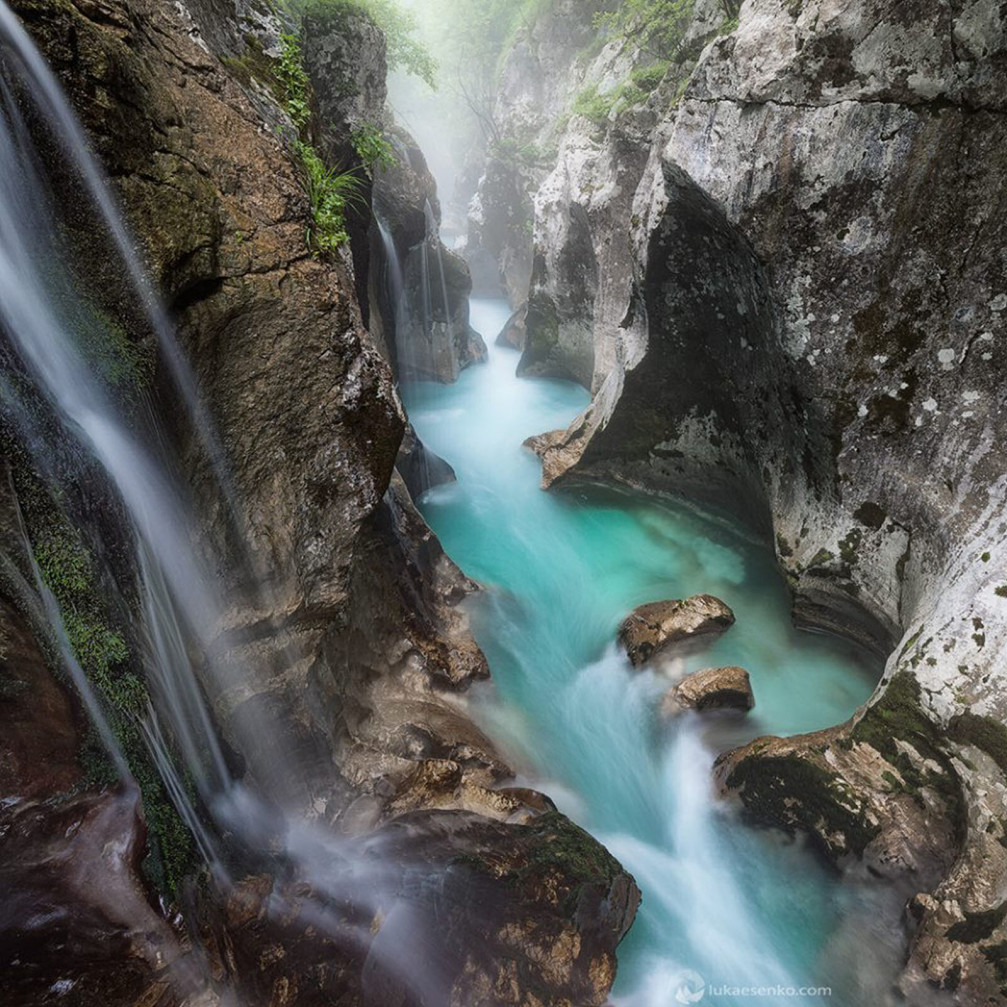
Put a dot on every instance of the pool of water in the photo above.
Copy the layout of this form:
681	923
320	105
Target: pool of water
723	904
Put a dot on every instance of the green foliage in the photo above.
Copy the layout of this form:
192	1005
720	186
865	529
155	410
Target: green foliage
293	81
657	26
330	193
372	147
647	78
592	105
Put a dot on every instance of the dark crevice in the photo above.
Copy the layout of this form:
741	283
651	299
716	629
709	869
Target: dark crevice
192	294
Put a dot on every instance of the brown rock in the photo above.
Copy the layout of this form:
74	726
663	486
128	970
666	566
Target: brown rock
711	689
39	740
652	628
481	912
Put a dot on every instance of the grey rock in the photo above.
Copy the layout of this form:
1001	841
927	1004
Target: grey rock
831	370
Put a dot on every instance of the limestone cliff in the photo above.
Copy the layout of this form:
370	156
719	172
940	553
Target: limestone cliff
794	291
353	647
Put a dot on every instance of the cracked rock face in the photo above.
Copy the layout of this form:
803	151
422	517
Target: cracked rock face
809	318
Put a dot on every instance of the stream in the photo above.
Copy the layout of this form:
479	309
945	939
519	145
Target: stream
724	906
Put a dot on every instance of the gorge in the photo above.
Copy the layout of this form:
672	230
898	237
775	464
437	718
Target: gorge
311	693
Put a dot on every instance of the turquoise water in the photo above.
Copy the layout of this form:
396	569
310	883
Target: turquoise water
734	905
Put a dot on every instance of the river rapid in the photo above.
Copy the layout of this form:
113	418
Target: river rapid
724	906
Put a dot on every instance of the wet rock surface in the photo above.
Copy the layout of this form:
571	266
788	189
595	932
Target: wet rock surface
651	630
462	911
181	106
711	689
514	333
425	324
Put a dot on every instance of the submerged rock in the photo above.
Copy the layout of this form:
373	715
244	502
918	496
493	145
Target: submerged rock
711	689
652	628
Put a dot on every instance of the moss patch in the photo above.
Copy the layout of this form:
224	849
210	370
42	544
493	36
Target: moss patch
986	733
977	926
898	716
792	791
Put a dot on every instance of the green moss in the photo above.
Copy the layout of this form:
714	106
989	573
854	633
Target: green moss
67	568
592	105
821	558
255	65
986	733
977	926
563	846
1001	592
792	791
849	546
898	716
647	78
564	849
985	557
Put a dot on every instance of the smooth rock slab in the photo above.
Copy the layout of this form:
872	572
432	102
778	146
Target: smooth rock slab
711	689
651	629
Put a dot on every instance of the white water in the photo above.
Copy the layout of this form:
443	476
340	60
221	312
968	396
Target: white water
735	906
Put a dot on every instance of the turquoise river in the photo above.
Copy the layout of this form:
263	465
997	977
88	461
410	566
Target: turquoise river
725	906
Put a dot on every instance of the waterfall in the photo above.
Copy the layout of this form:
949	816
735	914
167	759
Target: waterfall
51	378
395	293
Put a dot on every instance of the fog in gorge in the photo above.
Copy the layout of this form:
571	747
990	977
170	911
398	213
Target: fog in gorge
501	503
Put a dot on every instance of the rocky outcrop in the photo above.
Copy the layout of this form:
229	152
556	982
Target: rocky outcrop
343	631
521	888
651	630
539	77
422	293
711	689
513	333
807	325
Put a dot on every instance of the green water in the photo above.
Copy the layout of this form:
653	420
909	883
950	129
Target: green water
734	905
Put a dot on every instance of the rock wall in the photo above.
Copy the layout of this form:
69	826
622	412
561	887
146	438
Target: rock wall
356	652
806	313
422	289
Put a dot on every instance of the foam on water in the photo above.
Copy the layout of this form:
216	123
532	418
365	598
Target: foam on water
722	902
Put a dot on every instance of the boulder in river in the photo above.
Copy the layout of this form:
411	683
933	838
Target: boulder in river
711	689
513	333
652	628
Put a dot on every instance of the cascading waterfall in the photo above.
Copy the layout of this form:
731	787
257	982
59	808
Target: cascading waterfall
181	612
